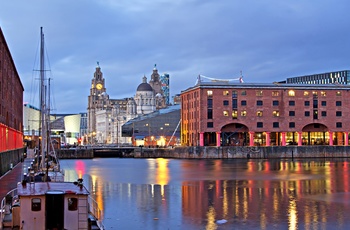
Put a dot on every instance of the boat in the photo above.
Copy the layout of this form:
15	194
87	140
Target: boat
50	205
43	200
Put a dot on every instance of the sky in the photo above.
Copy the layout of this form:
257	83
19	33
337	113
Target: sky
267	41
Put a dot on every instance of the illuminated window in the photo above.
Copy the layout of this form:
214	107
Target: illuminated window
225	92
291	93
210	93
234	114
276	113
36	204
275	93
259	113
323	93
244	113
225	113
259	93
338	93
306	93
314	93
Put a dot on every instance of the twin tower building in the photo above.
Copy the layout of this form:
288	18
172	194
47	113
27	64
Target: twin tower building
106	116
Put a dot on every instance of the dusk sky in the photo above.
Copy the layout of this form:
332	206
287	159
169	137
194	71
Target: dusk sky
268	41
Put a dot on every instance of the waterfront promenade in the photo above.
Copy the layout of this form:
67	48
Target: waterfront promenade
10	179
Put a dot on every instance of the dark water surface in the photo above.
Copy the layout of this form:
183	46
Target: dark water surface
217	194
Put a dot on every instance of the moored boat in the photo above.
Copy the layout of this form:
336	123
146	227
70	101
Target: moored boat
50	205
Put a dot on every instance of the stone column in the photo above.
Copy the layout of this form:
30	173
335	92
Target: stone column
268	139
218	138
201	139
300	140
251	138
330	138
283	138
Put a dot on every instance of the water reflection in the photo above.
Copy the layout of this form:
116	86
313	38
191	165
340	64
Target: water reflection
197	194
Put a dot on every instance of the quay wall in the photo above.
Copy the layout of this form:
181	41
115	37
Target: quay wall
9	159
263	152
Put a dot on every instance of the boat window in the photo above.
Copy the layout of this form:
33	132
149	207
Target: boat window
72	204
36	204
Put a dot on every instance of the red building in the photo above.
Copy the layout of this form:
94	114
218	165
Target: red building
11	101
221	113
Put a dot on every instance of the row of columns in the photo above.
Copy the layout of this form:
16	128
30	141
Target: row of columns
268	139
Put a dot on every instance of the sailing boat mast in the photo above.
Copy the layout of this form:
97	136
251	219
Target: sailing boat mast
42	101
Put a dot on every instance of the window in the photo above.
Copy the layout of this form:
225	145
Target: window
324	113
275	103
234	114
291	124
276	113
275	93
314	94
338	113
291	103
36	204
225	93
234	103
307	114
244	113
243	103
338	93
243	93
323	93
259	93
234	94
291	93
323	103
210	103
315	114
225	102
315	104
259	113
210	124
210	93
225	113
72	204
339	125
307	103
338	103
276	124
210	114
291	113
306	93
259	103
259	125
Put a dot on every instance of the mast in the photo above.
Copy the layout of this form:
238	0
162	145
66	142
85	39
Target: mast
42	100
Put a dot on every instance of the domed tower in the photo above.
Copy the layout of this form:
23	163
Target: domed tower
156	85
144	98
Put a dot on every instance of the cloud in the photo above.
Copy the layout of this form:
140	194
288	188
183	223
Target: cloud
267	40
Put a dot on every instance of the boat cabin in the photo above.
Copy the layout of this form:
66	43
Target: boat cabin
51	205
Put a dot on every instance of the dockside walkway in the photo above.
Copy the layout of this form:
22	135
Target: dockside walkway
10	179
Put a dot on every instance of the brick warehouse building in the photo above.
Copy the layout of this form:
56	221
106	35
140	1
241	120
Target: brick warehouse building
222	113
11	101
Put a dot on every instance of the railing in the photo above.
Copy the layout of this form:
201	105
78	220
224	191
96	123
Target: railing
3	210
95	211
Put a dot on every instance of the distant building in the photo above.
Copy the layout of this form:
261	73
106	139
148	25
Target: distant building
11	101
158	129
337	77
164	79
222	113
106	116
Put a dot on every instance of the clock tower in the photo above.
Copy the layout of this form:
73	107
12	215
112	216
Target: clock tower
96	100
